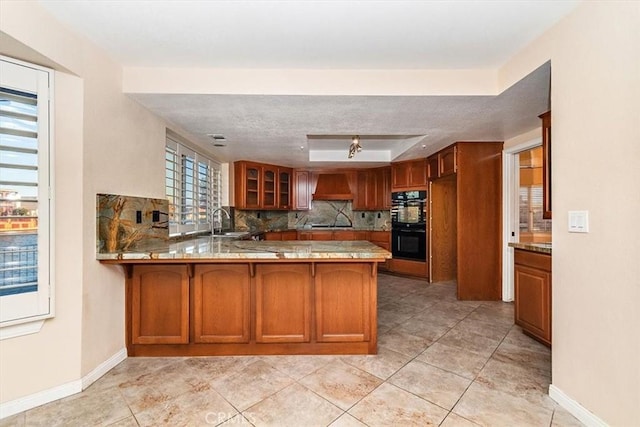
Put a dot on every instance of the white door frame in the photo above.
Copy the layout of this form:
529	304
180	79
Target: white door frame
510	211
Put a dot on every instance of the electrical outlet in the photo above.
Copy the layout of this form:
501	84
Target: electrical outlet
362	215
138	217
155	216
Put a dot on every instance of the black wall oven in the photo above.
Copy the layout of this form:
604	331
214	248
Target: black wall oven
409	225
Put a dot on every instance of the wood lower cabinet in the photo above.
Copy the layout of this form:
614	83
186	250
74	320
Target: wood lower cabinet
533	294
343	302
232	308
221	323
290	235
273	235
159	297
283	303
382	239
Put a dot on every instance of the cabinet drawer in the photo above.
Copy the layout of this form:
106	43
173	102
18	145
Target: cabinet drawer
533	259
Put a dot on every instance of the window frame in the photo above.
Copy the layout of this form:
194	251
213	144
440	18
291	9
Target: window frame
177	223
25	313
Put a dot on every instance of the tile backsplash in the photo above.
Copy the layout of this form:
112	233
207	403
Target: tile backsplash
334	213
125	221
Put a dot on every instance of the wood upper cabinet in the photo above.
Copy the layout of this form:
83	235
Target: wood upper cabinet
283	303
383	188
285	195
443	163
159	304
343	302
262	186
409	174
301	190
546	165
269	187
373	189
248	185
533	294
216	322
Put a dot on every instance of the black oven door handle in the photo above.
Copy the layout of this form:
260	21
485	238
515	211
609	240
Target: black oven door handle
402	230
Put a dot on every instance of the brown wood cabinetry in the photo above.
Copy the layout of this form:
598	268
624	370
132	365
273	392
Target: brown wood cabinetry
382	239
344	289
285	195
262	186
159	304
273	235
269	187
301	190
221	323
443	163
248	185
533	294
465	220
281	235
373	189
409	174
345	235
273	307
290	235
283	304
546	165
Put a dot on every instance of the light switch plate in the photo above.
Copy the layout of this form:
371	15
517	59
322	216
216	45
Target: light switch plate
578	221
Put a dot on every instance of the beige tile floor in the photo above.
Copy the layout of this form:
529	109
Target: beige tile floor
440	362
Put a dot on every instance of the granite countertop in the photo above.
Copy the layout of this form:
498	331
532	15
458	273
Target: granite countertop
216	248
544	248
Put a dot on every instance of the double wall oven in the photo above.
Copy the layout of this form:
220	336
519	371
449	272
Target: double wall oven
409	225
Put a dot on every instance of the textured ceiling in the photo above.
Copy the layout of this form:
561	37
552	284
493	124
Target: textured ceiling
310	34
275	129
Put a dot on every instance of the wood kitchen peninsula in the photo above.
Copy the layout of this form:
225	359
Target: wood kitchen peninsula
213	296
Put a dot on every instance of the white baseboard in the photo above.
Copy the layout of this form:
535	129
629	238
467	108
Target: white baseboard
16	406
103	368
574	408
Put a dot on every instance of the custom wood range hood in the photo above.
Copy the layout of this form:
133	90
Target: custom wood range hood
333	186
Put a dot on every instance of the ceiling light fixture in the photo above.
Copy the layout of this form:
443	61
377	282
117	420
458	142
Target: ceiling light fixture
355	147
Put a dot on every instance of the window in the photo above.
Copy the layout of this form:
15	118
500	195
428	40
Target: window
25	203
533	227
192	184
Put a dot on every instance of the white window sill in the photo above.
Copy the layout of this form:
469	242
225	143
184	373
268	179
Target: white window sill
20	329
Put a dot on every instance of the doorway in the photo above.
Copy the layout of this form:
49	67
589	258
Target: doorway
522	198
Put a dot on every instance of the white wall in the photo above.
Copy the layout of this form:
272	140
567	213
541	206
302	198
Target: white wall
104	143
595	99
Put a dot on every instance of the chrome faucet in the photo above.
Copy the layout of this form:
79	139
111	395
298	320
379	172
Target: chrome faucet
213	219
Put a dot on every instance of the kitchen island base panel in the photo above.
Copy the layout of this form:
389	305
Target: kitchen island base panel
253	308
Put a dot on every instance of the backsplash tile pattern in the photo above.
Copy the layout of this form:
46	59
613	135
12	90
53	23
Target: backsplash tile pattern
120	227
334	213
